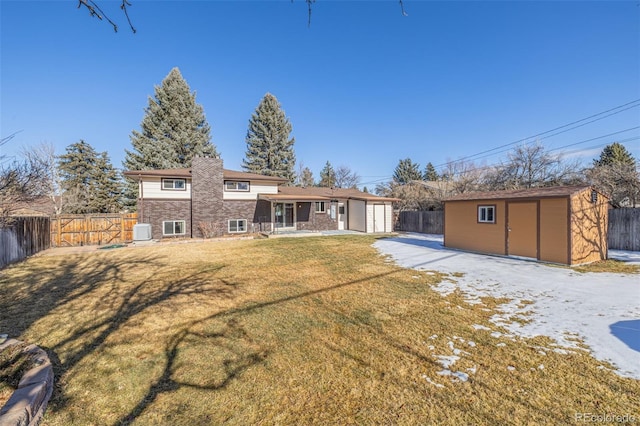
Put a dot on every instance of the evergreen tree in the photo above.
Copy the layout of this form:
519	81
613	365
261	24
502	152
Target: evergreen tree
90	184
305	178
430	172
327	176
406	171
269	149
107	187
616	174
173	131
615	154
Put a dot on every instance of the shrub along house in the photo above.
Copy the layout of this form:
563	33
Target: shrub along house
208	200
565	225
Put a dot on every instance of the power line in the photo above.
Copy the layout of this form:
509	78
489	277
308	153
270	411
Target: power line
620	108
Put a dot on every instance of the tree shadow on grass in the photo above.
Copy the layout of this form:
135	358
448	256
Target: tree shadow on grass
40	289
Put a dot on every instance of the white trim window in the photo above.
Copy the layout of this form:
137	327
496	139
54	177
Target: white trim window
174	227
487	214
321	207
236	186
174	184
237	226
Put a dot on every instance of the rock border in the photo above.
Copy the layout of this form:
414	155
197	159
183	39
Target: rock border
27	404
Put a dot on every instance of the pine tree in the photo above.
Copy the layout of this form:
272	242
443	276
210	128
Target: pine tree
406	171
173	131
616	174
269	149
106	187
90	183
305	178
327	176
430	172
615	154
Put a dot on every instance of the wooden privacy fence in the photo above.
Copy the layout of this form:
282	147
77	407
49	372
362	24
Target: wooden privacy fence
624	229
92	229
24	237
623	232
424	222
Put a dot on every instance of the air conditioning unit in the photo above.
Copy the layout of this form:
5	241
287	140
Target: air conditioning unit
142	232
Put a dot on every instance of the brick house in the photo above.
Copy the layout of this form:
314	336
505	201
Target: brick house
208	199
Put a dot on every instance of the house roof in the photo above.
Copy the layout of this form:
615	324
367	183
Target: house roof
321	194
550	192
186	173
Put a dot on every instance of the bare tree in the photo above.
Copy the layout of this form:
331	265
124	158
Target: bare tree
44	154
346	178
21	181
621	182
532	166
464	176
96	11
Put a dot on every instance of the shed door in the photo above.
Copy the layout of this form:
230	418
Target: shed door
522	229
378	218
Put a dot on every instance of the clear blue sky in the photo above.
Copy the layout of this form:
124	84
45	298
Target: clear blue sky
363	86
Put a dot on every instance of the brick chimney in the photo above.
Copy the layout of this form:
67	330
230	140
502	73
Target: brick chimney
207	185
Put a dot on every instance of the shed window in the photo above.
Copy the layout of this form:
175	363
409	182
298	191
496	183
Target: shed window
174	184
487	214
321	207
237	225
232	185
173	227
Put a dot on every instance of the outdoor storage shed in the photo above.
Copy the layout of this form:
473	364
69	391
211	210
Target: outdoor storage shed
565	224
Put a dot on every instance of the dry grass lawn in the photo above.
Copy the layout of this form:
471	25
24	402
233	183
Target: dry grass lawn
288	331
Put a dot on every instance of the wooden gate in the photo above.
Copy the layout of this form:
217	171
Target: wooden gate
92	229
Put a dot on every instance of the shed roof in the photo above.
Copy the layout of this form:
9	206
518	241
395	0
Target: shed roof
549	192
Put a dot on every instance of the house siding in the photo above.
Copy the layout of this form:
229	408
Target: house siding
254	190
152	188
156	211
207	192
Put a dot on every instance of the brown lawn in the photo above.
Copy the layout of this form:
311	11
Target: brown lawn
287	331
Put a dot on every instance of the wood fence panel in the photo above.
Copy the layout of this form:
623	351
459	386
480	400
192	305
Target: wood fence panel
25	237
624	229
92	229
424	222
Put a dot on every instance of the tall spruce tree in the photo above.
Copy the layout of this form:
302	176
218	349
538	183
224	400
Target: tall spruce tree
173	131
616	173
90	184
327	176
430	172
406	171
269	148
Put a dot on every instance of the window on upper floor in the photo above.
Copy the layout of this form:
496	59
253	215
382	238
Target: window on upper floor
174	184
234	185
487	214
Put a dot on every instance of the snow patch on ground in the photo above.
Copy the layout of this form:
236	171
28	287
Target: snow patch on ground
601	309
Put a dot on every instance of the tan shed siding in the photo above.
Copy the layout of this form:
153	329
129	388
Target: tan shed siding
151	188
554	242
588	228
462	230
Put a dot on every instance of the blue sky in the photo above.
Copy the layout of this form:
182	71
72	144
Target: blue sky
363	86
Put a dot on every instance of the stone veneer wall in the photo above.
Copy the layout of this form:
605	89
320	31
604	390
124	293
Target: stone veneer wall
207	186
256	212
155	211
